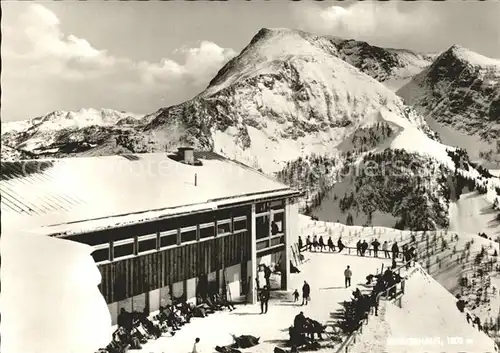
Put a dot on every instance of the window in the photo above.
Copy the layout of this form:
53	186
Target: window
147	243
277	205
188	234
168	238
101	255
206	232
224	227
277	226
277	240
121	250
262	227
240	223
262	207
262	245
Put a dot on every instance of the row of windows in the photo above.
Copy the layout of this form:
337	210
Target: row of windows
137	245
125	232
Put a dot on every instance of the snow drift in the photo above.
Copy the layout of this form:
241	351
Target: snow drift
50	302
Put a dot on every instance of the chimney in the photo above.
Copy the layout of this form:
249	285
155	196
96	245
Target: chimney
186	155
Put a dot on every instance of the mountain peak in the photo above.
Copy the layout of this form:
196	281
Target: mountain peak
465	55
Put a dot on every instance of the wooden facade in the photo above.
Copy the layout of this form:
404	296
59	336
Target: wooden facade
138	259
123	279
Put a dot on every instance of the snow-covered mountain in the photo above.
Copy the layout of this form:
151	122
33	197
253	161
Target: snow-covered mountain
64	132
393	67
459	95
288	94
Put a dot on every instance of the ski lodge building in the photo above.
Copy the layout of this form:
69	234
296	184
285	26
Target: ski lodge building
162	225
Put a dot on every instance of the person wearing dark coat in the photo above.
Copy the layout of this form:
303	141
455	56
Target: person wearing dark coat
395	250
315	243
364	247
306	292
301	244
321	243
331	246
299	322
477	322
125	320
267	276
308	243
340	244
264	299
358	248
375	245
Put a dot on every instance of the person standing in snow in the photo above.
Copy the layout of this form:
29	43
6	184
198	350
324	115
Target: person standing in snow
331	246
395	251
315	243
347	275
301	244
340	245
196	348
264	299
364	246
267	275
306	292
375	245
308	243
296	296
321	243
385	247
358	248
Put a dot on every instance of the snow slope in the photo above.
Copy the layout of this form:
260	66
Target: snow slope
473	213
428	321
50	302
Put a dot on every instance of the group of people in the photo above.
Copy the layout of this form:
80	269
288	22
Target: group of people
362	304
320	243
304	330
362	246
136	328
461	304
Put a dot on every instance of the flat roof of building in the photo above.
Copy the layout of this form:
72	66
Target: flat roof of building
86	193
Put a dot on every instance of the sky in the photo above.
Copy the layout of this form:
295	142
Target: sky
140	56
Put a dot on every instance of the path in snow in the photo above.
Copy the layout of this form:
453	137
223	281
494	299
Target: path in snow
324	272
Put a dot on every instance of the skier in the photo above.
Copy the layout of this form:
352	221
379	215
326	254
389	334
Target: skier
358	248
347	275
315	243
